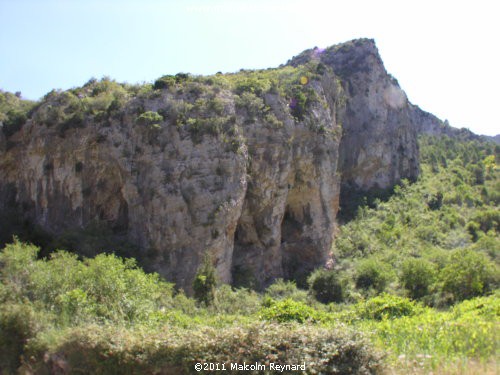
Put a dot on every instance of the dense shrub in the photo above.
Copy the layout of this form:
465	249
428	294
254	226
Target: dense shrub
253	85
298	103
14	112
15	120
204	283
468	274
487	220
253	105
164	82
110	350
103	288
235	301
387	306
417	277
326	286
288	310
18	324
481	306
372	274
149	118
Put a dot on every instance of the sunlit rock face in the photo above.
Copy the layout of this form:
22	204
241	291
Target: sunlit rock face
259	194
379	141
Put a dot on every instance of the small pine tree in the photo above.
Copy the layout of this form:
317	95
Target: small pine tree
204	282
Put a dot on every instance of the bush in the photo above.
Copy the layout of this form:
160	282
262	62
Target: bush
417	276
15	120
18	324
289	310
149	118
487	220
235	301
103	288
372	274
298	103
164	82
326	286
468	274
14	112
253	105
488	307
387	306
113	350
204	283
253	85
282	289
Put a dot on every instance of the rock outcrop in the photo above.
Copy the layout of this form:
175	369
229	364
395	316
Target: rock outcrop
379	145
250	175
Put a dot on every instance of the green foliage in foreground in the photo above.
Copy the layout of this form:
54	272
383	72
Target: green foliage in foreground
104	288
111	350
470	330
105	315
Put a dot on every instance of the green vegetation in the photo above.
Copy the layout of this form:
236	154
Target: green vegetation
150	118
14	112
104	315
85	311
436	240
326	286
204	283
288	310
199	105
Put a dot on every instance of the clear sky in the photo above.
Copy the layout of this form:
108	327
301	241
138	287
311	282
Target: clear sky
444	54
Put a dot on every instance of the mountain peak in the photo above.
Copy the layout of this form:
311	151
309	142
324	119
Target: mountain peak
357	55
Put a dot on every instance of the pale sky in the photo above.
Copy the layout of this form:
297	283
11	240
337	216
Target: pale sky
444	54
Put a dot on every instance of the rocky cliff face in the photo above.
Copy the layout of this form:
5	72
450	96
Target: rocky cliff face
378	146
243	167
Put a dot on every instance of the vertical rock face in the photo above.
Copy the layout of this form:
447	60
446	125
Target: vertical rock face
173	197
250	176
288	217
379	141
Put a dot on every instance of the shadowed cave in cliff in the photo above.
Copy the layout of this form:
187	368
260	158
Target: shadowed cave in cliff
263	253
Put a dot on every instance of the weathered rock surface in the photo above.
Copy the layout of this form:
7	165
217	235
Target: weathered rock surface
379	145
260	196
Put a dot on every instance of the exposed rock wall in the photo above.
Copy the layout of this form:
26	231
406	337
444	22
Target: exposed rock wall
288	215
261	196
379	141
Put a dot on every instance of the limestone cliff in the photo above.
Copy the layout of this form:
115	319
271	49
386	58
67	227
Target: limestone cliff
378	145
244	167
